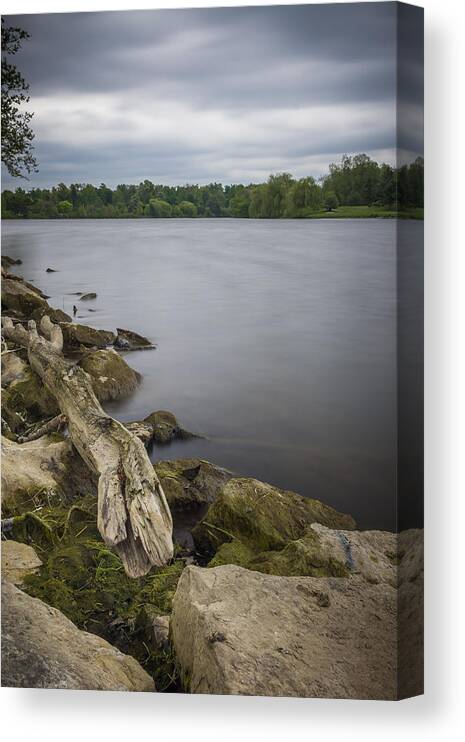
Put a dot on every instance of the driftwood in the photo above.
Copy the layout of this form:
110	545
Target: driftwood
53	425
133	515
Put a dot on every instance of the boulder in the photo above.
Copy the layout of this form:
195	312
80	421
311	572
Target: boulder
262	517
7	262
45	471
235	631
75	336
87	297
166	427
18	560
128	340
41	648
111	376
372	554
191	483
19	298
25	301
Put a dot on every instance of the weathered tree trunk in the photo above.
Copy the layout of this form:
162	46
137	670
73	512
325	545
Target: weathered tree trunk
133	515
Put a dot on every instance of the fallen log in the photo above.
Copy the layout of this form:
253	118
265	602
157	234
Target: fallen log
133	515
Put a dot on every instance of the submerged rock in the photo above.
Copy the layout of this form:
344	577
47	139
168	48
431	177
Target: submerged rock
235	631
129	340
86	297
111	376
189	483
18	560
262	517
41	648
76	335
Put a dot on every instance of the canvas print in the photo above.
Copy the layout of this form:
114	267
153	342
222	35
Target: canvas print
212	351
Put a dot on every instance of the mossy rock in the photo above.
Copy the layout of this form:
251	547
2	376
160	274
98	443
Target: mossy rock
111	376
303	557
129	340
189	483
233	552
22	299
166	428
76	335
262	517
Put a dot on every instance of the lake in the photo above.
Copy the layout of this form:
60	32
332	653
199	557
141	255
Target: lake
276	340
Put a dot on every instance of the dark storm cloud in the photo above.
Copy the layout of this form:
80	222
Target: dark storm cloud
225	94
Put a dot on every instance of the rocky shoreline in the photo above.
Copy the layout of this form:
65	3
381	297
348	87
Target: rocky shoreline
267	593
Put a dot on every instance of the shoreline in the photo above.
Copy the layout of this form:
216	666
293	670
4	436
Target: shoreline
237	530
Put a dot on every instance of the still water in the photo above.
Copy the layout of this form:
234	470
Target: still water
275	340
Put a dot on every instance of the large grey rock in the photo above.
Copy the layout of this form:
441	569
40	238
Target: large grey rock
236	631
43	649
372	554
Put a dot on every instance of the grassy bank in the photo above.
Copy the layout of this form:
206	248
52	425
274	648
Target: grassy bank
367	212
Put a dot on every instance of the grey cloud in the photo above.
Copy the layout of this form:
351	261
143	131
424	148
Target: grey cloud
242	64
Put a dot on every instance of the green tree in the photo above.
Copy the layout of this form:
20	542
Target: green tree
331	201
187	209
17	135
158	209
65	208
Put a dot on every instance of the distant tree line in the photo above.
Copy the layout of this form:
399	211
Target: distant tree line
355	181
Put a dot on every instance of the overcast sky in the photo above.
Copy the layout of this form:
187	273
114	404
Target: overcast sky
227	94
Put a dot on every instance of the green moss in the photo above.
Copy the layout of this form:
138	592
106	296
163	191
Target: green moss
29	528
86	581
303	557
233	552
